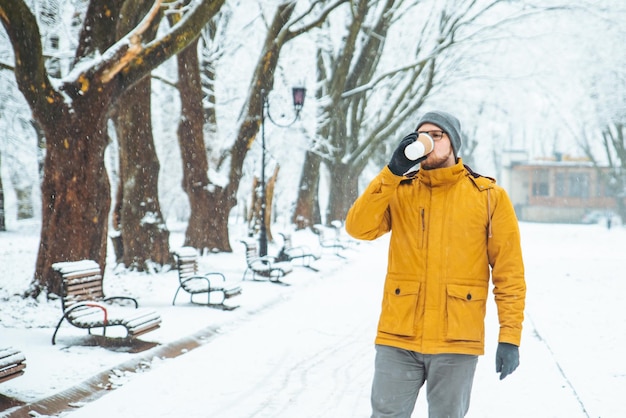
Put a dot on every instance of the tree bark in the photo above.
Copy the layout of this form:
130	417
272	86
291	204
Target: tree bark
144	234
344	191
254	217
307	209
76	197
202	232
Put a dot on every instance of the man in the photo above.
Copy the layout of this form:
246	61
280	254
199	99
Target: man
451	229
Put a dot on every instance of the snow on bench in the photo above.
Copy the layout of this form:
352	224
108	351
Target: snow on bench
196	283
289	252
266	266
85	306
12	363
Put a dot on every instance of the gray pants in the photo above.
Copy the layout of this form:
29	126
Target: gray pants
399	374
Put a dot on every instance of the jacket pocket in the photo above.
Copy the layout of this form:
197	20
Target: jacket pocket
465	312
399	307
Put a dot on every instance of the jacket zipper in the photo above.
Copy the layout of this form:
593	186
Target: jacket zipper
423	217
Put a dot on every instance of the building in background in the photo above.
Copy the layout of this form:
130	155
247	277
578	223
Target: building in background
558	189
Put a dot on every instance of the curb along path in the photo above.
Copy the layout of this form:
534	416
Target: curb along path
103	383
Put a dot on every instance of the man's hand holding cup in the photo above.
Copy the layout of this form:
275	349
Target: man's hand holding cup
412	150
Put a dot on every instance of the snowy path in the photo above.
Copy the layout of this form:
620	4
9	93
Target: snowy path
309	356
312	355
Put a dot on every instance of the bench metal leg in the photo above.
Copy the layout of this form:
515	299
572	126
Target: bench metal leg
175	294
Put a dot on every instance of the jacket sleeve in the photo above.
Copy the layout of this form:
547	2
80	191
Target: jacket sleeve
368	218
505	257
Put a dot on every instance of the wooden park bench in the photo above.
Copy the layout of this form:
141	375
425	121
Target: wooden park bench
194	283
330	237
290	253
85	306
12	363
267	266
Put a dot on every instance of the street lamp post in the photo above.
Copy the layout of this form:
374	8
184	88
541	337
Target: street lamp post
298	94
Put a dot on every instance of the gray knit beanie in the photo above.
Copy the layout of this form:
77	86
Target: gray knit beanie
448	123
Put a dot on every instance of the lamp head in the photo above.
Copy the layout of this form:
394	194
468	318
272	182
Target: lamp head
298	98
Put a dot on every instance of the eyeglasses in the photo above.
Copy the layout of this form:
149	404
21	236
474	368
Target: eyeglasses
435	135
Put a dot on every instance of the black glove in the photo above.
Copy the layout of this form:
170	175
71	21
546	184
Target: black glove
399	164
507	359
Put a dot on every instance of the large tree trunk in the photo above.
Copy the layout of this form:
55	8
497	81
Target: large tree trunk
144	238
144	234
263	79
202	232
255	215
307	209
75	193
343	191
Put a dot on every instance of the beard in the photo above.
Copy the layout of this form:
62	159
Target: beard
434	161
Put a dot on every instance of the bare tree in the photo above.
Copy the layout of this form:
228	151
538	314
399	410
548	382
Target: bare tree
366	98
143	242
198	118
73	113
602	131
284	26
346	78
613	140
193	152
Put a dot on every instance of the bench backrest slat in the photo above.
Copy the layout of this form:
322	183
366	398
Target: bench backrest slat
82	282
186	262
251	250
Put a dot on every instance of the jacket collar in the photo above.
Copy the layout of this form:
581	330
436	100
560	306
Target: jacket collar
442	176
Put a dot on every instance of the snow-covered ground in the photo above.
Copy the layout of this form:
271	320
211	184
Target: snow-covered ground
307	350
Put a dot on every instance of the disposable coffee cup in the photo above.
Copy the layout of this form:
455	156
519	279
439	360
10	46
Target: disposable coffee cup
422	146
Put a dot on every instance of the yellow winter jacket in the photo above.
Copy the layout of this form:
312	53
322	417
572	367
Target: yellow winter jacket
450	231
